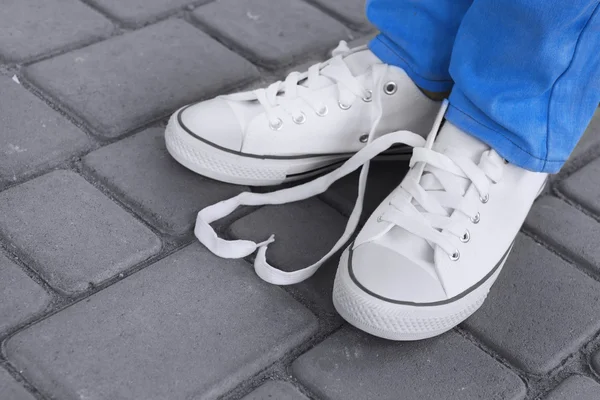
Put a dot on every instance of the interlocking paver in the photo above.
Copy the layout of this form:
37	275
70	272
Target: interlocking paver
384	176
590	138
10	389
20	297
141	169
151	72
575	387
29	28
32	135
189	326
353	12
567	229
135	12
304	232
276	391
596	361
275	33
74	234
354	365
529	315
584	186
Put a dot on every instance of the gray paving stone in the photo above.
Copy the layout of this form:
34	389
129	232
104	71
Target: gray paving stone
72	232
141	170
596	361
584	186
352	12
304	232
29	28
10	389
276	390
529	315
353	365
151	72
20	297
567	229
135	12
274	33
384	176
576	387
590	138
189	326
32	135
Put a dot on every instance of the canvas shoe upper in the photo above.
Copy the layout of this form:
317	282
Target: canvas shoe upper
427	257
301	126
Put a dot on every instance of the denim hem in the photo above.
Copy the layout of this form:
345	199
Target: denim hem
500	143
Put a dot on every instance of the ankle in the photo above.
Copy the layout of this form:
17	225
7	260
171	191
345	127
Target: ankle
437	96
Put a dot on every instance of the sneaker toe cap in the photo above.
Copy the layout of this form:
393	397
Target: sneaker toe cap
380	271
213	121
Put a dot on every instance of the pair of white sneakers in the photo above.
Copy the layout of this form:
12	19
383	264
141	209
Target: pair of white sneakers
427	257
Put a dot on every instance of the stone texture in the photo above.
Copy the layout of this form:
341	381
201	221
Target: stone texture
584	186
354	365
590	138
576	387
20	297
72	232
151	72
189	326
32	135
276	390
529	315
567	229
29	28
384	176
596	361
141	170
10	389
135	12
350	11
274	33
304	232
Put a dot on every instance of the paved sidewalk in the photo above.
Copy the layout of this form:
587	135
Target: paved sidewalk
104	293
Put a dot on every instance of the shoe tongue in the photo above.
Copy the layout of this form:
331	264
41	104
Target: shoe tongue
452	137
358	63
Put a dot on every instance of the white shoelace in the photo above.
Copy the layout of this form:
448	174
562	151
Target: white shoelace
302	85
420	211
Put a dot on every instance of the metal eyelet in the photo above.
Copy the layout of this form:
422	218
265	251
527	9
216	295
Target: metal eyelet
379	219
369	96
322	111
344	106
277	125
454	256
465	236
364	138
300	120
390	88
485	198
476	218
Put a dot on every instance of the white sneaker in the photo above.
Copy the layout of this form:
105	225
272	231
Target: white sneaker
303	126
427	257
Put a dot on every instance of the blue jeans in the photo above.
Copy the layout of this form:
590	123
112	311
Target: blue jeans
524	74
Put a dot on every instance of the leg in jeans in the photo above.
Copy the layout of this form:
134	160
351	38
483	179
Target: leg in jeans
418	36
527	77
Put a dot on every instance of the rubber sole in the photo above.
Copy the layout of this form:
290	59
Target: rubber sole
402	322
237	168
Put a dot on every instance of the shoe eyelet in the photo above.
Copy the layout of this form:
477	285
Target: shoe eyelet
476	218
322	111
368	97
364	138
390	88
344	106
466	237
276	125
379	219
454	256
485	198
300	120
